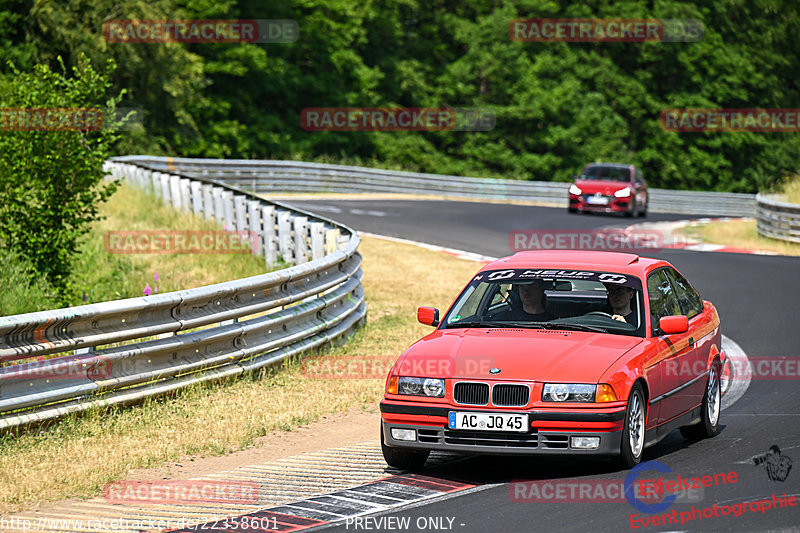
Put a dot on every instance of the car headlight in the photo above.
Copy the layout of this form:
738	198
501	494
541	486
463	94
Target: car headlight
568	392
421	387
623	193
574	189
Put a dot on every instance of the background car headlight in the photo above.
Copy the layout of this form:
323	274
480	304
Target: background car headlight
623	193
421	387
574	189
568	392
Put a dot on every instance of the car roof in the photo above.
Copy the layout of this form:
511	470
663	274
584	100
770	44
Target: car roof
623	263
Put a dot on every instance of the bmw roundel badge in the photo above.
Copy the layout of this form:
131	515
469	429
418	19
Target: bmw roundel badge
494	371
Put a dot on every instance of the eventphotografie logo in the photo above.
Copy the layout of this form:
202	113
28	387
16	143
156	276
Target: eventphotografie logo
181	242
396	119
693	120
201	31
605	30
777	465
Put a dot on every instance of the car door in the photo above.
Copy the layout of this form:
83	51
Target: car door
677	354
702	326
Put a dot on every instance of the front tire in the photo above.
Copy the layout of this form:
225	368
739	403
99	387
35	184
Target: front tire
709	416
633	431
633	209
403	459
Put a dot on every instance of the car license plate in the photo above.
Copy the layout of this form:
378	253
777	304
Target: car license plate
487	421
598	200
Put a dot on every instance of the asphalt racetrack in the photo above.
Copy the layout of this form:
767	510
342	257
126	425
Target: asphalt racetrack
756	296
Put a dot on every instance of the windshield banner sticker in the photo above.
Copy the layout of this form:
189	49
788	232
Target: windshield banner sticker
518	275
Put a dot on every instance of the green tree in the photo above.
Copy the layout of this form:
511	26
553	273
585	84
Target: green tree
51	182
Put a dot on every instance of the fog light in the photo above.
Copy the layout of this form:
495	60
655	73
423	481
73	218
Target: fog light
585	443
404	434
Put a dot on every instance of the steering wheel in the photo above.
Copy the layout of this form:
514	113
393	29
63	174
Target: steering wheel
599	313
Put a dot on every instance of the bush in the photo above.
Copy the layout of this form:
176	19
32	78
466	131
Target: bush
21	289
50	181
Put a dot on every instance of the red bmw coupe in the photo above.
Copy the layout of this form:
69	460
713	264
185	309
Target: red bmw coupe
556	353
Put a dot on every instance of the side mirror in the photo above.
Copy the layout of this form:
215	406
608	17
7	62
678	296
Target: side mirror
638	183
574	177
428	316
674	324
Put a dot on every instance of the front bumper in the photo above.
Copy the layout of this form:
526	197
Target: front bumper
614	205
553	436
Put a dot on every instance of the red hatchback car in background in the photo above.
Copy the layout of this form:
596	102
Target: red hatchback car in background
609	188
558	353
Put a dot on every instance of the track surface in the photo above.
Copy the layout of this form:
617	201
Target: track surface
757	300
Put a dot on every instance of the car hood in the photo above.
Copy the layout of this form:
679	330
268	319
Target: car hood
607	187
520	354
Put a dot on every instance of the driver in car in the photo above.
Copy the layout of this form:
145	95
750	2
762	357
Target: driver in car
530	305
619	299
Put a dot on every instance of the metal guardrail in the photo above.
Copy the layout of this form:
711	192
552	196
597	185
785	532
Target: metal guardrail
777	219
269	177
127	350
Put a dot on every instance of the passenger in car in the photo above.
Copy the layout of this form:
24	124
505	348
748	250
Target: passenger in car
528	303
619	300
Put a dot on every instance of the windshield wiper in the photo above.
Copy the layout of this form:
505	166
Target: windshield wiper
551	325
530	325
575	327
476	324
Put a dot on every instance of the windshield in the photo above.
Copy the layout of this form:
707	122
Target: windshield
606	173
603	302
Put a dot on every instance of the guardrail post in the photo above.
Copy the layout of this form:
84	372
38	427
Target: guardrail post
285	236
254	226
155	183
219	204
197	197
166	197
240	212
317	240
208	201
301	240
270	237
186	194
227	214
175	191
331	240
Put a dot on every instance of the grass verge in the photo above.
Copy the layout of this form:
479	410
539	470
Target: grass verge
103	276
216	419
741	234
791	189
